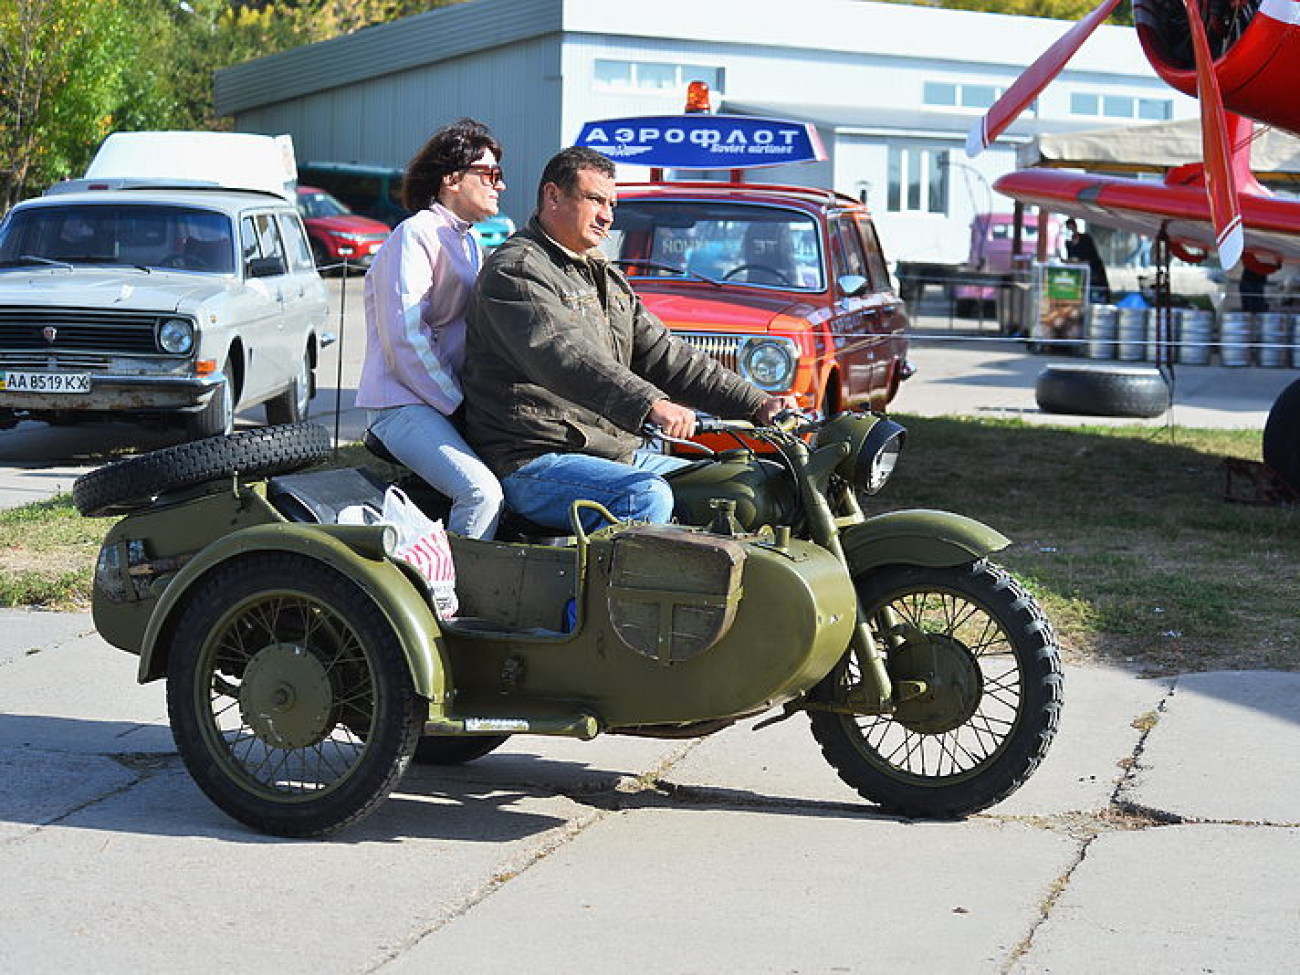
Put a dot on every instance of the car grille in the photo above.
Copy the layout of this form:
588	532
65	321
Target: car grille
67	331
724	348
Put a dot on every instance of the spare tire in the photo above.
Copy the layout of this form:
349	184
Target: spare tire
1094	390
1282	436
132	483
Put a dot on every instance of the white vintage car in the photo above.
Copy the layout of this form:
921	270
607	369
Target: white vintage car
150	298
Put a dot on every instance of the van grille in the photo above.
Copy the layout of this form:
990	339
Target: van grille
724	348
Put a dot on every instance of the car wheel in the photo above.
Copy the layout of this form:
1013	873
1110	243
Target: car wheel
132	483
291	405
218	417
1102	390
290	698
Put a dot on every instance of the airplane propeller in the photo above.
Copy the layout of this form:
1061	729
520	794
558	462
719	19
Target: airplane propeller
1221	188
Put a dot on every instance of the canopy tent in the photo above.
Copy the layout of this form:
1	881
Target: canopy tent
1275	156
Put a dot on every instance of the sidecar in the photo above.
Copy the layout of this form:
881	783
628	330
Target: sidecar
305	665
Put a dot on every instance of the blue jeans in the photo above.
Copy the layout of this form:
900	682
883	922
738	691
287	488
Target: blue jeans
424	440
544	489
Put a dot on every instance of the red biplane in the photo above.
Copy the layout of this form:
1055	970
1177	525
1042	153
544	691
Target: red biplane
1241	59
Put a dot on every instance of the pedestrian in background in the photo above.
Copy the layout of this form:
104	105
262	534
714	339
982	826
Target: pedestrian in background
1082	249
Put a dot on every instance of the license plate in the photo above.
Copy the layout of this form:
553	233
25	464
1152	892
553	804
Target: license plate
45	382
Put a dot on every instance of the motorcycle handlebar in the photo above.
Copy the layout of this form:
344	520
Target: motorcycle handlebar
786	420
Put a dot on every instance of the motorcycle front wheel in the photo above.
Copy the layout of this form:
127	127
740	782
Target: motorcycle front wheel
984	659
289	695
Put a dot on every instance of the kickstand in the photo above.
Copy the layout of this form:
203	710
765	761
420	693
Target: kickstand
790	709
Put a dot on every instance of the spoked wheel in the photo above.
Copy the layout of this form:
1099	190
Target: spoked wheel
290	698
985	661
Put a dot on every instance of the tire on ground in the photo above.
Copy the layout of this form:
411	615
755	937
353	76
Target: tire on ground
1282	436
1092	390
134	482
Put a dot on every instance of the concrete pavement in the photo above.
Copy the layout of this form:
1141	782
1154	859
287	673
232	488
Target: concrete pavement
1162	834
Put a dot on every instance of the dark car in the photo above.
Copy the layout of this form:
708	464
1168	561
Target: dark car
336	233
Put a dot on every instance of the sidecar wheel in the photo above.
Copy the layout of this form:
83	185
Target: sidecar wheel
993	671
446	750
289	696
133	482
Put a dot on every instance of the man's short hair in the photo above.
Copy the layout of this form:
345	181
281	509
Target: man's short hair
564	166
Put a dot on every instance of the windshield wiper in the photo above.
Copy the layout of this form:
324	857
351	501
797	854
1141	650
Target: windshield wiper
68	263
661	266
22	259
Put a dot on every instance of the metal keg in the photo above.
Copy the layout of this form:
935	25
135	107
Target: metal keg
1102	324
1236	333
1196	337
1274	339
1131	332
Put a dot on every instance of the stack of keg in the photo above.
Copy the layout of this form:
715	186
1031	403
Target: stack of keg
1101	331
1196	337
1236	336
1274	339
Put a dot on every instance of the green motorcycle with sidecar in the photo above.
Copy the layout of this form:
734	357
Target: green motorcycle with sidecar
306	665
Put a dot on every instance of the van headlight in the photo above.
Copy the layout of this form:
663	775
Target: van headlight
768	363
176	335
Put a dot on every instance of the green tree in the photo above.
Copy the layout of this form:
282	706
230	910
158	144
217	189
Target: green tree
72	71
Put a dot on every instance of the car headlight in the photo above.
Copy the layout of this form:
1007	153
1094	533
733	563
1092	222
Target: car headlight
769	363
176	336
874	445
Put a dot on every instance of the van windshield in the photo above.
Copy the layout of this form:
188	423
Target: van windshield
131	235
735	242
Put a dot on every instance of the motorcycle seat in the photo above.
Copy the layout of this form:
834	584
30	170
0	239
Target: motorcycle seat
513	527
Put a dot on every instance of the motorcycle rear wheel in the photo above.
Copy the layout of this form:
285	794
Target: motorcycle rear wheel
994	692
290	698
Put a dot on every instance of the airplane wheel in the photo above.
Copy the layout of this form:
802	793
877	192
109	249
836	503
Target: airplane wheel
1282	436
1092	390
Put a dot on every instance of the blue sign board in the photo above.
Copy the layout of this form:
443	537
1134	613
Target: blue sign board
703	141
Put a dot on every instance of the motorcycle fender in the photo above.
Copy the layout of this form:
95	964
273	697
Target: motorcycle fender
355	551
919	537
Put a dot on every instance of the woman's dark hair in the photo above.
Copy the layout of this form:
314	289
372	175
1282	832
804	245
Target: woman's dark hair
450	150
564	166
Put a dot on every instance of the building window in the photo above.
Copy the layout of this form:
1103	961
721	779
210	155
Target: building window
1156	109
1121	106
918	180
956	95
653	76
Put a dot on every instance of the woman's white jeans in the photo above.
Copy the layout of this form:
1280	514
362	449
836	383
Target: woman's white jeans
424	440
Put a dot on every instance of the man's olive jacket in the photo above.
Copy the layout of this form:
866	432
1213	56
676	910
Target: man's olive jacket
562	357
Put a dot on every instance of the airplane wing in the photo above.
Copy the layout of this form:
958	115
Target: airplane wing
1271	225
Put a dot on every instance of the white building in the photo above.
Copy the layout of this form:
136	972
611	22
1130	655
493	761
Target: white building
892	89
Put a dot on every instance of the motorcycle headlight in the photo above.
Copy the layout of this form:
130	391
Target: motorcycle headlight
176	336
769	363
874	445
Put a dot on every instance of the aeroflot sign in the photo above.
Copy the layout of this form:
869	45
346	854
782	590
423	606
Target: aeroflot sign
703	141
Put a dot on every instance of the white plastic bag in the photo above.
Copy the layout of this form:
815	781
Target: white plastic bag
421	543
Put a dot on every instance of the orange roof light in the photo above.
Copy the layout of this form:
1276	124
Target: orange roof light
697	97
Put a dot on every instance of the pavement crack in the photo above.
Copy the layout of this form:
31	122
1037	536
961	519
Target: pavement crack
1121	814
510	872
